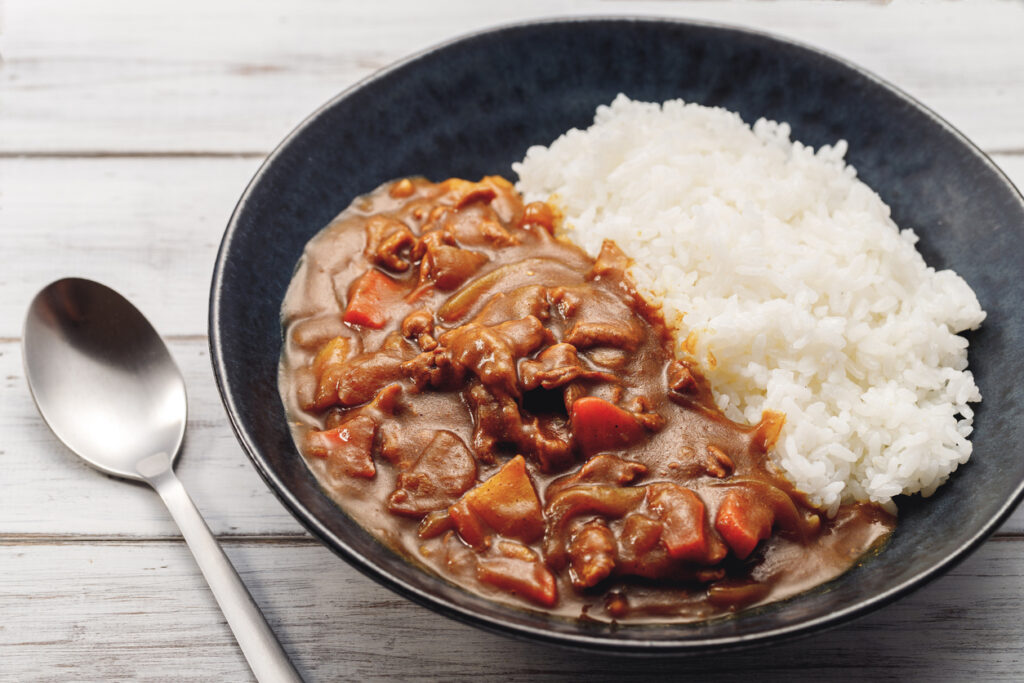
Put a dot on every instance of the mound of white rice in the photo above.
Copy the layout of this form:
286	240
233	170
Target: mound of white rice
797	290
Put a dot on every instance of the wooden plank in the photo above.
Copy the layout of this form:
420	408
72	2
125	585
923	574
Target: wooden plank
173	75
48	492
150	228
120	611
147	227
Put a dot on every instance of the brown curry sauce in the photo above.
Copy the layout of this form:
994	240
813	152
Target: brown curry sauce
494	404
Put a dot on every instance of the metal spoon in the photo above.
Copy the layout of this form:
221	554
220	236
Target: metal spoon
108	388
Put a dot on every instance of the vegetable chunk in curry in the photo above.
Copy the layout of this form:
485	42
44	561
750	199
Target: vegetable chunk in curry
498	406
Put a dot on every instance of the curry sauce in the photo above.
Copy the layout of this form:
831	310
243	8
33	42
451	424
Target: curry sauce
503	409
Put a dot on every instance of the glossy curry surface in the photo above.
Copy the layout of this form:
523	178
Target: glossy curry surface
499	407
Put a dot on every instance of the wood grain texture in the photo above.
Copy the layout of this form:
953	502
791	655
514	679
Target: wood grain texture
140	611
236	75
149	228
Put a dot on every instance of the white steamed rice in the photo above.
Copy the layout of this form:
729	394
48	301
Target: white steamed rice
801	294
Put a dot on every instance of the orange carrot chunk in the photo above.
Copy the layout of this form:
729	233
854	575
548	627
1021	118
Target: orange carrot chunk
743	522
507	503
602	426
370	297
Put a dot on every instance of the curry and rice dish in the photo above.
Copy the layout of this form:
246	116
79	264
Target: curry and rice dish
507	410
514	414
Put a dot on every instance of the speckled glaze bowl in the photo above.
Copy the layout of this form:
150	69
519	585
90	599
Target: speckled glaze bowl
472	107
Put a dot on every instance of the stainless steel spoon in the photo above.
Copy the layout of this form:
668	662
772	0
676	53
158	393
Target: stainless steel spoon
108	388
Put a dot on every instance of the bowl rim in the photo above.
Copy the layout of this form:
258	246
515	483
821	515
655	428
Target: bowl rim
578	639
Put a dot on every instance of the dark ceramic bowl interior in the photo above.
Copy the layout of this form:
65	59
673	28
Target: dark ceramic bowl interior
472	107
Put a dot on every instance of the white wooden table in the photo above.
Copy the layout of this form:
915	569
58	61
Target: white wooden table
127	132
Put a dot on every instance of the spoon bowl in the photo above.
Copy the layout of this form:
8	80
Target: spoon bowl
102	377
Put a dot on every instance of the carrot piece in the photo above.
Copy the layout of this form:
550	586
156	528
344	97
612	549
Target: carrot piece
602	426
507	503
370	297
346	447
743	523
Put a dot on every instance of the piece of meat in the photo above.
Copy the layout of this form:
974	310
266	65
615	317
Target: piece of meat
597	318
505	278
466	192
688	385
448	267
443	472
687	535
506	202
495	234
539	214
606	469
386	240
641	552
640	535
603	501
609	358
556	366
592	553
488	352
622	335
347	448
718	463
386	403
531	300
437	232
516	569
417	323
313	333
365	375
497	420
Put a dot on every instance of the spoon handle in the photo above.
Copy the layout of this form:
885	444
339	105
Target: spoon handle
266	657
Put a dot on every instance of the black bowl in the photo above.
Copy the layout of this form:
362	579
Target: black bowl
472	107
